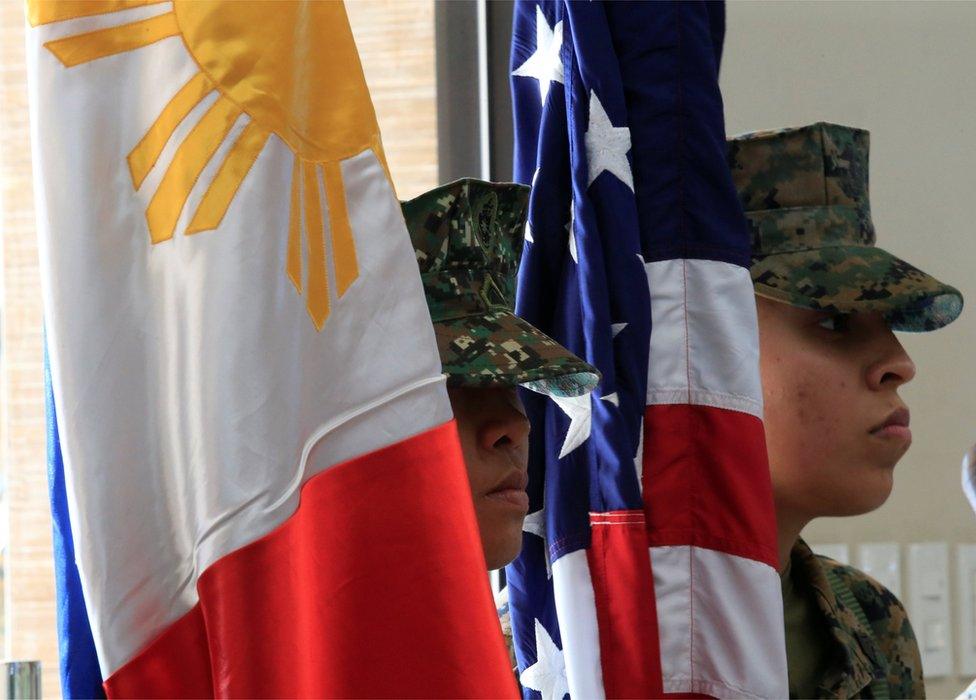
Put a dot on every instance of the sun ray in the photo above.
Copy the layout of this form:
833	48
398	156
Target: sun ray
191	157
39	13
143	157
317	301
343	246
293	262
320	244
81	48
228	179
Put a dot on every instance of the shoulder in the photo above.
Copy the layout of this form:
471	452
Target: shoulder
884	611
890	627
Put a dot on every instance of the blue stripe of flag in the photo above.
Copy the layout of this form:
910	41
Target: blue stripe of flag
80	674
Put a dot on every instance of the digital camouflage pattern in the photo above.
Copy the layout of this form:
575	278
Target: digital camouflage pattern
860	656
805	195
468	239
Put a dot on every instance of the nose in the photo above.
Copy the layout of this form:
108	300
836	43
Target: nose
893	368
504	429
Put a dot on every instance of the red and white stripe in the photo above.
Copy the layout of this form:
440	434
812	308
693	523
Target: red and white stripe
707	493
703	552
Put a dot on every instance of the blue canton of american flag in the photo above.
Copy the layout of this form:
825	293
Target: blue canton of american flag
649	562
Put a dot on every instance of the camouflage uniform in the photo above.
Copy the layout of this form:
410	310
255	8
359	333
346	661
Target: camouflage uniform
805	195
859	655
468	240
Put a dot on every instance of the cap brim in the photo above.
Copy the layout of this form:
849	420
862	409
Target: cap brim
851	279
501	349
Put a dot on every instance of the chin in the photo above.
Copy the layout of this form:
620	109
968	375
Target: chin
499	554
501	537
864	495
500	525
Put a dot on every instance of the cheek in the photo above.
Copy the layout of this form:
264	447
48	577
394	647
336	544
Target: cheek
805	423
521	456
472	459
821	460
814	413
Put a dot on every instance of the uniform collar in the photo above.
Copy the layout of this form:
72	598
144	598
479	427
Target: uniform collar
855	659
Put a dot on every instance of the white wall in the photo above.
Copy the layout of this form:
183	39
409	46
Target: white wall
906	71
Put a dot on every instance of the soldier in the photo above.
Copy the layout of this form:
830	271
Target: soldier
828	300
468	240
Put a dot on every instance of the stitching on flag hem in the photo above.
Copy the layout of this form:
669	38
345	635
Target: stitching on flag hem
344	418
703	397
685	684
300	477
754	552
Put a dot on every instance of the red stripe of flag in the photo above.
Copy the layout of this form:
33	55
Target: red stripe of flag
375	587
700	490
623	588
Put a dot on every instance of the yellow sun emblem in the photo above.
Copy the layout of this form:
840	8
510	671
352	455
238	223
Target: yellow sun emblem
293	69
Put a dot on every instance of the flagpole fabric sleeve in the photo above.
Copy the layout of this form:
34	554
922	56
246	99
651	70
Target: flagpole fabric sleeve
652	539
261	477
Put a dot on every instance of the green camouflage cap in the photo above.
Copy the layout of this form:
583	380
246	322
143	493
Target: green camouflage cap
468	240
805	194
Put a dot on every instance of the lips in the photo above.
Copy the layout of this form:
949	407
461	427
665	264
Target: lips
894	426
515	480
511	490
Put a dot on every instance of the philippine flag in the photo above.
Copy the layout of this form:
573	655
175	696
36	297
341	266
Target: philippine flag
262	477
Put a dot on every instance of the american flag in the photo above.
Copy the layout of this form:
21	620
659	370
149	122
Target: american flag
649	564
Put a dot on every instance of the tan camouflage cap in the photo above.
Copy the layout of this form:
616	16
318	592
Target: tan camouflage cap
468	240
805	194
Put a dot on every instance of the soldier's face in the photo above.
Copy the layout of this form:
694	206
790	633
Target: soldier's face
495	440
835	426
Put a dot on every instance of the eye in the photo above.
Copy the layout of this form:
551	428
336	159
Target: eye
837	323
